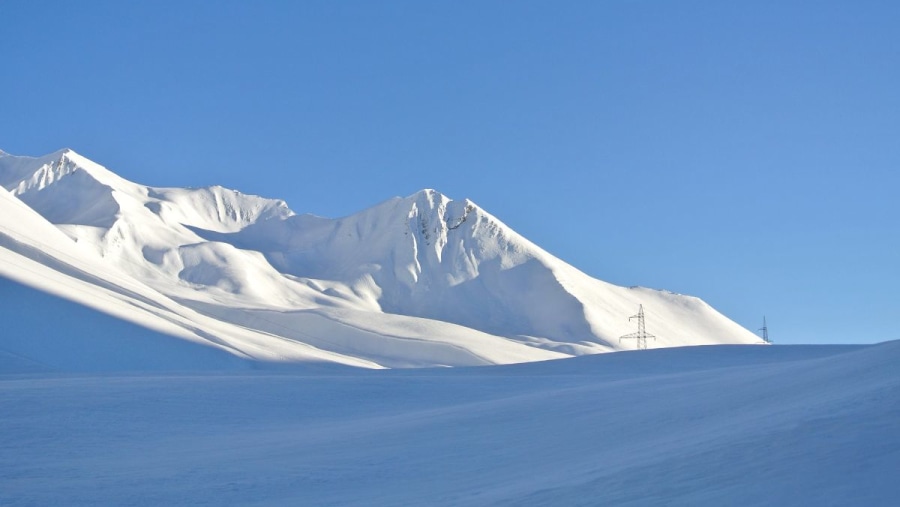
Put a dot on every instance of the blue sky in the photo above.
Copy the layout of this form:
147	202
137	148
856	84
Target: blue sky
743	152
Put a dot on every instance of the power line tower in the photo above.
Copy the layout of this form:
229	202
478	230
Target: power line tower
642	334
765	331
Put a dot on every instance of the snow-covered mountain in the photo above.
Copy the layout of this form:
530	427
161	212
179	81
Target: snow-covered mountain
417	281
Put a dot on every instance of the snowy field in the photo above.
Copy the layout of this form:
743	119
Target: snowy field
694	426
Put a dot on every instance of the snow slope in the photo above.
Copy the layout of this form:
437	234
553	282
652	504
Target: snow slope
416	281
693	426
66	309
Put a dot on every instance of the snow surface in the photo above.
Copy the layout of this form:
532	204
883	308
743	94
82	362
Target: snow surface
412	282
694	426
204	347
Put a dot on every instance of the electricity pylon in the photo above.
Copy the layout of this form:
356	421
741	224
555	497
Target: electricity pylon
765	331
642	334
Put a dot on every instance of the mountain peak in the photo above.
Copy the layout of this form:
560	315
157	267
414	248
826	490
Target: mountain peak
56	156
432	199
429	197
66	161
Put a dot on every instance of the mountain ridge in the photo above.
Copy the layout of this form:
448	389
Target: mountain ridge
458	275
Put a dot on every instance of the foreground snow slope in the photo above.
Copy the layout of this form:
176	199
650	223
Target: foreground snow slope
416	281
696	426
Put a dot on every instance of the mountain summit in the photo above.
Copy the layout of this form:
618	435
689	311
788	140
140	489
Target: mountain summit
423	280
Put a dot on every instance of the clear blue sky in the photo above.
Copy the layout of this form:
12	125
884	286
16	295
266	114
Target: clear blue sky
744	152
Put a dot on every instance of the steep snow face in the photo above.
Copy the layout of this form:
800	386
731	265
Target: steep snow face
213	208
431	257
415	281
69	188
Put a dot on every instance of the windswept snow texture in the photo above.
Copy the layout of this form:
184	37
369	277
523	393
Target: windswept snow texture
693	426
412	282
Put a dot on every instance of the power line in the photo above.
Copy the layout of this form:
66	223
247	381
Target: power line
642	334
765	331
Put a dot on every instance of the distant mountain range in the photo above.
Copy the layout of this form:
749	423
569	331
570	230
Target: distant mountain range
118	274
